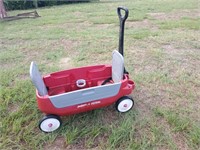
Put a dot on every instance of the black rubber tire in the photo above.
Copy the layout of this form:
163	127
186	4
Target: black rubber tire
49	117
122	99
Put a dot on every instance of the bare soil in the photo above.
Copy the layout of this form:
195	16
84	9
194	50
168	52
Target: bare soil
141	24
65	63
13	108
58	144
176	15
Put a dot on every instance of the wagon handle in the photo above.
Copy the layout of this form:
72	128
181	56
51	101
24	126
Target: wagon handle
122	19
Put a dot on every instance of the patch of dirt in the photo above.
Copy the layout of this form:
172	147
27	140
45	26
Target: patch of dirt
12	108
194	110
171	50
176	15
184	58
180	141
178	138
23	76
67	44
103	26
168	47
58	144
155	92
78	26
81	144
4	43
65	63
110	115
78	13
141	24
175	63
166	96
149	97
143	102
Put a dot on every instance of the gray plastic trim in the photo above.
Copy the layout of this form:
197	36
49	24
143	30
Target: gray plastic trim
85	95
117	66
37	79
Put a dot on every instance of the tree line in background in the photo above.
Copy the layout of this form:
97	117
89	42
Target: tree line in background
28	4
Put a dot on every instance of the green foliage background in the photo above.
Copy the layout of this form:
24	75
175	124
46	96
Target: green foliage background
28	4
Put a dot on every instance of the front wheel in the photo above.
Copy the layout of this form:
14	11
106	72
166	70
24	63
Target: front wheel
124	104
49	123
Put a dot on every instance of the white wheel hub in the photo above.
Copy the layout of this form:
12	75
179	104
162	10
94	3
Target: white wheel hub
50	124
125	105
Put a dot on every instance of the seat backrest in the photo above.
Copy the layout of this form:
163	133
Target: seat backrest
117	66
37	79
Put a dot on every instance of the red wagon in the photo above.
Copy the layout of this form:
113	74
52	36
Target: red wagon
82	89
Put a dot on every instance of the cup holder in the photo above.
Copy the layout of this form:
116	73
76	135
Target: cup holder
81	83
130	84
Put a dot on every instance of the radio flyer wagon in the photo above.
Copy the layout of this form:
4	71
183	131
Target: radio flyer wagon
82	89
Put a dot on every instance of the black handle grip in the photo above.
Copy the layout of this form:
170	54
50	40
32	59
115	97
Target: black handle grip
122	18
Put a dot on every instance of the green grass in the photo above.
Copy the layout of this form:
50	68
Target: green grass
182	23
141	33
181	124
161	55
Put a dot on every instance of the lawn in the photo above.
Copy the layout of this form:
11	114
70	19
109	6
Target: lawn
162	55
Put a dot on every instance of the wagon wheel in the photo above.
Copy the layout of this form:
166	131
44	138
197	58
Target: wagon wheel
124	104
50	123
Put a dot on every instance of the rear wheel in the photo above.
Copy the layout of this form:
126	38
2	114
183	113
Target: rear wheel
124	104
49	123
